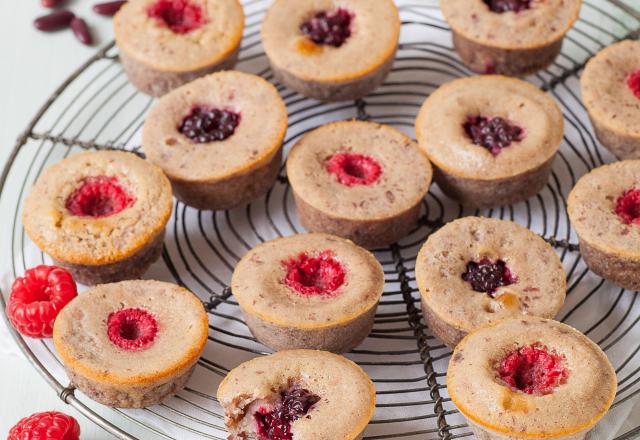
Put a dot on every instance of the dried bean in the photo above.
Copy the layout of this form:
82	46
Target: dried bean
54	21
81	31
109	8
50	3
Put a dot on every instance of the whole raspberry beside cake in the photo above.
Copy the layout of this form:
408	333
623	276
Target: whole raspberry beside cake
509	37
530	378
313	291
331	50
50	425
359	180
475	271
491	139
610	87
218	139
604	208
100	214
166	43
297	394
131	344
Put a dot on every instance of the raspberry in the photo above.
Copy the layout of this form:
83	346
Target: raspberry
633	82
99	196
206	124
354	169
628	206
494	134
181	16
37	298
50	425
320	275
533	370
132	329
331	28
486	276
275	423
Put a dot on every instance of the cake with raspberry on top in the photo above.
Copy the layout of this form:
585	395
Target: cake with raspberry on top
313	291
297	394
131	344
475	271
530	378
359	180
100	214
166	43
331	50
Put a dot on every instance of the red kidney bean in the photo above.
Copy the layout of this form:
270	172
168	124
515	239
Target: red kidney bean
50	3
109	8
54	21
81	31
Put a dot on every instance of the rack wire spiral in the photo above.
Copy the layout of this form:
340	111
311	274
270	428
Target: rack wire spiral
96	108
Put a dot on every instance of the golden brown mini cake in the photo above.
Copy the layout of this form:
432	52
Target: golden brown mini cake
100	214
313	291
359	180
491	139
131	344
300	394
218	139
331	50
475	271
611	93
166	43
509	37
530	378
604	208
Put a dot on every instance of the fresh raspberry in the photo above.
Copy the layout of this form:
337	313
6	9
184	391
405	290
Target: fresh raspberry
181	16
51	425
132	329
332	28
486	276
633	81
99	196
37	298
320	275
628	206
354	169
533	370
275	423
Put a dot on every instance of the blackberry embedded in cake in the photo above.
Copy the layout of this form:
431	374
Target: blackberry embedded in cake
604	208
166	43
509	37
313	291
475	271
131	344
611	93
530	378
297	394
359	180
100	214
492	139
331	50
218	139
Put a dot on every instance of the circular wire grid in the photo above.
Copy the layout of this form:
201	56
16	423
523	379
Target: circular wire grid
96	108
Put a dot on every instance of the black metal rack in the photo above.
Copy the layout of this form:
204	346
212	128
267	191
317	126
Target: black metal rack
96	108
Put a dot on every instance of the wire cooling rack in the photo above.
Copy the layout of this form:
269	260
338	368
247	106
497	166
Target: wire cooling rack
96	108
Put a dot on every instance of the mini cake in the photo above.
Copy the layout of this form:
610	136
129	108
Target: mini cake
477	270
491	139
604	208
313	291
611	93
219	139
297	394
166	43
131	344
359	180
509	37
530	378
100	214
331	50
